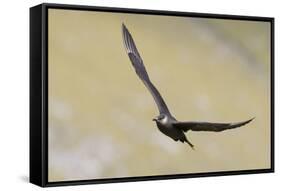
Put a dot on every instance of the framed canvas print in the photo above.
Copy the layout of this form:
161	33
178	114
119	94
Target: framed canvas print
128	94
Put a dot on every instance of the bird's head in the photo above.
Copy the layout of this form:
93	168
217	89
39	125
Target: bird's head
162	118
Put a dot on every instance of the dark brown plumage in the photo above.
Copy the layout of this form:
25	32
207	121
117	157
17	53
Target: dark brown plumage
166	123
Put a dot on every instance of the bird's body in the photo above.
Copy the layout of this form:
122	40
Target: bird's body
165	122
166	126
172	132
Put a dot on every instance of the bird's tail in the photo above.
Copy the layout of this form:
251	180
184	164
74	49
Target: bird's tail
189	143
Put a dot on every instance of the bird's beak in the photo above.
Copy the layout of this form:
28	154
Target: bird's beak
154	119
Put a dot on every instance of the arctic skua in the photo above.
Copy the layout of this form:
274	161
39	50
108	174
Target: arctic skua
165	121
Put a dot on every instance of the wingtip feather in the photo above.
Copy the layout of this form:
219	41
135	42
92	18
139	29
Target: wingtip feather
248	121
239	124
123	26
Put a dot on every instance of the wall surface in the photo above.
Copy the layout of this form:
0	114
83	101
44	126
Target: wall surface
14	106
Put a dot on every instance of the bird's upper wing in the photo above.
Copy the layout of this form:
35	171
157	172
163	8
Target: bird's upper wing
206	126
141	71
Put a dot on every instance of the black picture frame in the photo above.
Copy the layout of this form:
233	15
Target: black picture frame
39	93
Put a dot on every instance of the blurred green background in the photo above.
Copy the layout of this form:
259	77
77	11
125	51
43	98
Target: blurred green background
100	113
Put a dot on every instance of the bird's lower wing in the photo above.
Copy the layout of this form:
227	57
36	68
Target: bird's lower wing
206	126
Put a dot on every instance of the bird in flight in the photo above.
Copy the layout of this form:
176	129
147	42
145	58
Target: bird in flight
165	122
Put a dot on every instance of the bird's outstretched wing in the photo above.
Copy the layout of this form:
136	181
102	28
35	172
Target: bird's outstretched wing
141	71
206	126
